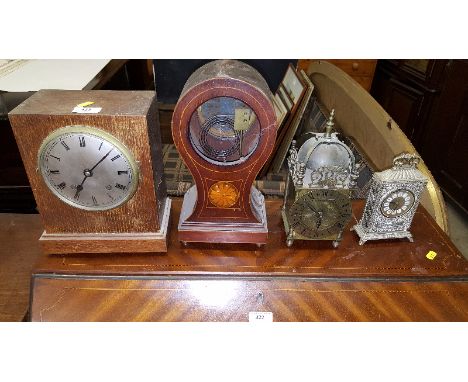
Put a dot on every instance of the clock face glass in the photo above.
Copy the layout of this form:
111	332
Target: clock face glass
88	168
397	203
224	131
320	213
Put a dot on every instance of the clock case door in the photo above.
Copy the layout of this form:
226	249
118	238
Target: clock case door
244	221
140	224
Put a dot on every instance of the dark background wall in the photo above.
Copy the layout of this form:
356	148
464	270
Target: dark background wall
171	75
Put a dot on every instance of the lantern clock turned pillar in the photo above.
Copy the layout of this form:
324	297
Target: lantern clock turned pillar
224	126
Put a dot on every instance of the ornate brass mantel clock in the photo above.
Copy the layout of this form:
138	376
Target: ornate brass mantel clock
224	126
392	201
317	204
97	178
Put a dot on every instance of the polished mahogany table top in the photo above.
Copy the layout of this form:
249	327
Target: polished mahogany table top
381	259
311	281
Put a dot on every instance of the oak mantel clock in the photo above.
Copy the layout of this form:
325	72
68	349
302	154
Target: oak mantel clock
97	178
224	126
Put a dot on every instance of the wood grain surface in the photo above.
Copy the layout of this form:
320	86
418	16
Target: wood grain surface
311	281
362	71
232	300
376	259
19	250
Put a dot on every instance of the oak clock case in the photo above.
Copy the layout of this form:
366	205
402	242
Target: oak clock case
317	202
392	201
97	178
224	127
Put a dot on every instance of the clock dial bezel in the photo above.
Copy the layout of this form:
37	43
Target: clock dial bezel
390	194
214	136
101	134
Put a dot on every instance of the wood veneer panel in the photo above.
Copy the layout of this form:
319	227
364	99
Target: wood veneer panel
231	300
19	250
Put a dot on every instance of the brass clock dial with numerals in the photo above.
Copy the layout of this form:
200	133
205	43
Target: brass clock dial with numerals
320	213
88	168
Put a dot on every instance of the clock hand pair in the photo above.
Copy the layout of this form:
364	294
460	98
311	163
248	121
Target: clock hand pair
318	213
87	173
319	221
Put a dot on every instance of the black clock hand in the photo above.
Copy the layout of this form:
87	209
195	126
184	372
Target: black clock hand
104	157
318	213
88	173
319	221
79	188
312	208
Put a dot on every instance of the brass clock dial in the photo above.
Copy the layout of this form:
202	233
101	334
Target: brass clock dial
88	168
320	213
397	203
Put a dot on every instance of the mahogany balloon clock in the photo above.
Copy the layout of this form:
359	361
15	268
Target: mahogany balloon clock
224	126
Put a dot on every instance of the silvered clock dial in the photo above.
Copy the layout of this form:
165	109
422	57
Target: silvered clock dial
88	168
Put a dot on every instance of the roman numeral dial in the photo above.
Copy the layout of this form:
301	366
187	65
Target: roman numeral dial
88	168
397	203
320	213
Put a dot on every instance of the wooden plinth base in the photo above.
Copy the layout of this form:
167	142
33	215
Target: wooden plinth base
109	242
211	232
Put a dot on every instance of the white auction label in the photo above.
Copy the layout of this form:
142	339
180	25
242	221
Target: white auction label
86	110
260	317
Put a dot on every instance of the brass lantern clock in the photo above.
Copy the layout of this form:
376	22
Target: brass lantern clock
224	127
392	201
317	201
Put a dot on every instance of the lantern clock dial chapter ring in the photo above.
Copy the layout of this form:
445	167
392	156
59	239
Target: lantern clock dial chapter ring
397	203
88	168
320	213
